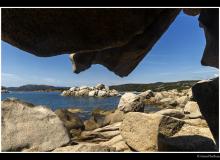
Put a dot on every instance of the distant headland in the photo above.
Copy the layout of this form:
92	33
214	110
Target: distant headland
138	87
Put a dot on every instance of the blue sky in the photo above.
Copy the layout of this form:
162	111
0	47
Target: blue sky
176	56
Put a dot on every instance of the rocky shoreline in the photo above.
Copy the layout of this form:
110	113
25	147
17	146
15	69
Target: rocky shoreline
4	91
100	90
177	126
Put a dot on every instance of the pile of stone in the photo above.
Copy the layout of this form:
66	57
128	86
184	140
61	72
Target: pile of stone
170	98
179	127
100	90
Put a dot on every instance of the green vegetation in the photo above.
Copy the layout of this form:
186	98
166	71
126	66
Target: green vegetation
3	88
43	88
159	86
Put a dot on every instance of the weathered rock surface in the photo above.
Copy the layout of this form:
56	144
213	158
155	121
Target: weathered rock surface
192	109
191	11
112	118
147	94
168	102
92	93
170	98
75	110
99	90
101	134
196	122
127	30
131	102
99	116
189	138
183	100
206	93
73	89
90	124
158	96
38	31
70	120
118	143
82	92
209	21
102	93
85	147
26	127
172	113
100	86
140	130
155	132
130	26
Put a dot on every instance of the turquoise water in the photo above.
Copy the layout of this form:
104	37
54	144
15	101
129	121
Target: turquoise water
54	100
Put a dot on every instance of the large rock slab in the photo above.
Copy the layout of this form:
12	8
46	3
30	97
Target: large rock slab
100	86
92	93
30	128
182	100
73	88
118	143
147	94
197	122
192	109
155	132
189	138
83	92
206	93
70	120
131	102
112	118
140	130
119	33
102	93
90	124
172	113
101	134
209	21
85	147
170	102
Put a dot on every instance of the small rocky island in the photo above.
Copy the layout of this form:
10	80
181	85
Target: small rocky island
177	125
100	90
4	90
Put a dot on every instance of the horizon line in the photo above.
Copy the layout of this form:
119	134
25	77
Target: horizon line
107	85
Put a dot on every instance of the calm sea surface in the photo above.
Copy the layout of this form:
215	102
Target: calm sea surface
54	100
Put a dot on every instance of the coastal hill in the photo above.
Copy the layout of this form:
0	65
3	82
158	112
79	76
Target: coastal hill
158	86
32	87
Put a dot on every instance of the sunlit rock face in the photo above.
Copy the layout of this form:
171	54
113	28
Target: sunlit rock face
30	128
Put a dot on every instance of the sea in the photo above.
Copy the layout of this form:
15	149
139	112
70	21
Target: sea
55	101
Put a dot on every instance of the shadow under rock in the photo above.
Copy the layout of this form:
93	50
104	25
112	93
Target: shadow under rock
186	143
